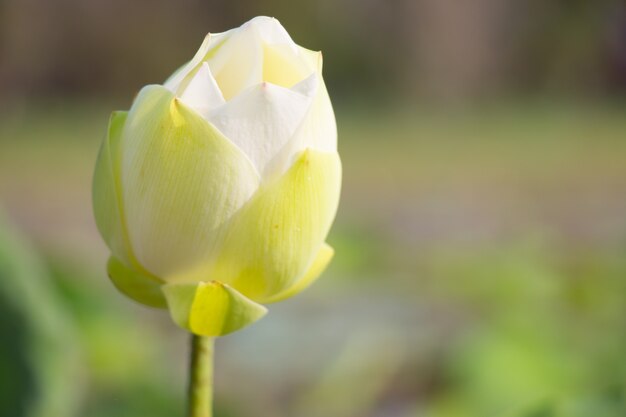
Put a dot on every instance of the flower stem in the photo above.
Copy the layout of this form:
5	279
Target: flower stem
200	395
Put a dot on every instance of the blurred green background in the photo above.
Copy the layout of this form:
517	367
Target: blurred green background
480	264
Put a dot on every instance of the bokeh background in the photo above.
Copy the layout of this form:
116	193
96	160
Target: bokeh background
480	264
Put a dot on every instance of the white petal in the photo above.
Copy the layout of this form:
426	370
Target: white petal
262	120
239	63
177	78
271	31
283	66
313	59
203	93
319	129
307	87
212	42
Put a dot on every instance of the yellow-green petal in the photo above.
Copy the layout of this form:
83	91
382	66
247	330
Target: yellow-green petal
182	181
136	285
320	263
274	238
106	198
210	308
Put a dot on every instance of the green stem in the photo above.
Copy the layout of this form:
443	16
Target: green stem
201	377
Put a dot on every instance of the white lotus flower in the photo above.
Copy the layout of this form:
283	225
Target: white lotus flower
216	191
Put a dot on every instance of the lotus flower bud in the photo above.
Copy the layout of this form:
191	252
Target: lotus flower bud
215	192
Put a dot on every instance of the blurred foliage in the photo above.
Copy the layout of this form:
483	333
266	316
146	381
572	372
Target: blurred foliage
123	358
544	334
39	374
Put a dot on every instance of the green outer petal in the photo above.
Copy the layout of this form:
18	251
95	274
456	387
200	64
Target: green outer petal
132	280
210	308
106	196
324	255
141	288
182	181
275	237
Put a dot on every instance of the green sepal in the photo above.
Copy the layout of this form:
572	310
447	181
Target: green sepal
136	285
210	308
